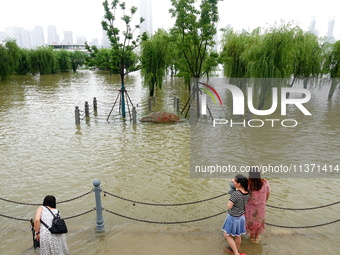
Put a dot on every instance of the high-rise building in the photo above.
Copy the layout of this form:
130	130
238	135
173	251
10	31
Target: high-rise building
25	38
312	26
20	35
38	38
52	36
217	42
2	36
146	13
105	40
68	37
94	42
81	40
330	29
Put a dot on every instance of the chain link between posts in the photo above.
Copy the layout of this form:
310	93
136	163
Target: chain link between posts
211	216
171	204
34	204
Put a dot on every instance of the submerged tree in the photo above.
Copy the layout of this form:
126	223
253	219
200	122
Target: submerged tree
9	58
44	61
77	59
123	58
193	34
282	52
232	56
334	67
24	66
155	60
64	62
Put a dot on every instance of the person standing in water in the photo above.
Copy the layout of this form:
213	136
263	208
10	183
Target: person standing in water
50	244
259	191
235	224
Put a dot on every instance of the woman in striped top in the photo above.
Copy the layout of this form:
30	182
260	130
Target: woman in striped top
235	224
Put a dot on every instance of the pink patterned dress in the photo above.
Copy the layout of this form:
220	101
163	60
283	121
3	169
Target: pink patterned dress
256	209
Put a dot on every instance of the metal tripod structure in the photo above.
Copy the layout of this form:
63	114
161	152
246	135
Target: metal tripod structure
128	102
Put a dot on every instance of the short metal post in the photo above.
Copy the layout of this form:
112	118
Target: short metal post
77	115
95	105
149	104
100	221
87	110
134	115
154	101
177	103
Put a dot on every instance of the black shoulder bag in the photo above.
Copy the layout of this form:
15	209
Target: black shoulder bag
58	224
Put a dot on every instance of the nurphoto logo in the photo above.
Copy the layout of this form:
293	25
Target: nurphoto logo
240	100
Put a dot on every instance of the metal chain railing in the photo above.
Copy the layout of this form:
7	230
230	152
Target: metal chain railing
158	204
208	217
68	200
212	216
312	226
301	209
66	218
163	222
204	200
33	204
170	204
80	214
13	218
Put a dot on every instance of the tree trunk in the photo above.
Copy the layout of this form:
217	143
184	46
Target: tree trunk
334	84
122	91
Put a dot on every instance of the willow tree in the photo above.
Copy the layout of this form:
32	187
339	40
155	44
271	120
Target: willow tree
307	56
193	31
64	60
9	58
44	61
123	44
273	56
334	68
24	66
234	44
77	59
155	60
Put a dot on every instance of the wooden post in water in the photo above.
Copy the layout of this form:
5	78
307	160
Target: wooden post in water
177	103
77	115
87	110
134	116
149	104
99	210
95	109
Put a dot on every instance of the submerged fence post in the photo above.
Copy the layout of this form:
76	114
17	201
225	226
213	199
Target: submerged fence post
149	104
177	103
87	110
100	221
77	115
134	115
95	105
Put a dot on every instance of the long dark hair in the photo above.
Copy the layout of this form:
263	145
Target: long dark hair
255	181
50	201
242	180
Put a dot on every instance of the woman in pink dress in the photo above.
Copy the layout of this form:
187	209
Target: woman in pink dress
255	212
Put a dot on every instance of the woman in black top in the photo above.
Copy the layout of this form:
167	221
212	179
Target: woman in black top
235	224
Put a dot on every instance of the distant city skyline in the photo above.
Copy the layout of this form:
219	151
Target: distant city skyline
37	37
84	19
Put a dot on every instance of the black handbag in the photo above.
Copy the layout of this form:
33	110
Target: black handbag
36	243
58	224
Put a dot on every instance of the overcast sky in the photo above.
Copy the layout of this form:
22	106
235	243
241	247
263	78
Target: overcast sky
83	17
